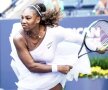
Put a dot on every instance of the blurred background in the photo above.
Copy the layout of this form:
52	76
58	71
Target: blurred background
13	8
78	14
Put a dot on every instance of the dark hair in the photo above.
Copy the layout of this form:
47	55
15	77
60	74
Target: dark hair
48	17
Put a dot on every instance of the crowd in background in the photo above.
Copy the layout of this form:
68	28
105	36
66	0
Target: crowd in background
13	8
101	7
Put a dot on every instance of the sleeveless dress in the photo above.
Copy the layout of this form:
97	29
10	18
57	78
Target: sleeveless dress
60	46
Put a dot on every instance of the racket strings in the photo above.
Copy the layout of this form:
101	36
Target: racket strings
104	38
103	25
97	34
104	42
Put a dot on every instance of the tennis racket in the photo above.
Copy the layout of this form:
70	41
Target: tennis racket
95	36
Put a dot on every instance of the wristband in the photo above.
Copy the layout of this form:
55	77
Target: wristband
54	68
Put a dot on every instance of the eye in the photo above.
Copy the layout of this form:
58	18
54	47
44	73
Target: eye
28	17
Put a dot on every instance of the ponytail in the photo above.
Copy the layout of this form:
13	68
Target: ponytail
51	18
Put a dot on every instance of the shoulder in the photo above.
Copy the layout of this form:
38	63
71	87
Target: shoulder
60	29
19	39
17	31
16	28
57	30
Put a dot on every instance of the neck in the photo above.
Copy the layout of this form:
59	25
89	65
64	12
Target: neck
33	35
37	33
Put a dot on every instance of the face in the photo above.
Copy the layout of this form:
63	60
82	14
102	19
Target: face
29	19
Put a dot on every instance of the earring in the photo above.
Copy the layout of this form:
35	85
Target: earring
43	18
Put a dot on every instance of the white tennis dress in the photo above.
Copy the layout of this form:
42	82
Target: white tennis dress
60	46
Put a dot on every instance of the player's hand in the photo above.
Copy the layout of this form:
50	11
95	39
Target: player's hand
102	49
64	68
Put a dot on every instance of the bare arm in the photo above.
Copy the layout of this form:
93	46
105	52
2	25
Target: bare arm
28	61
